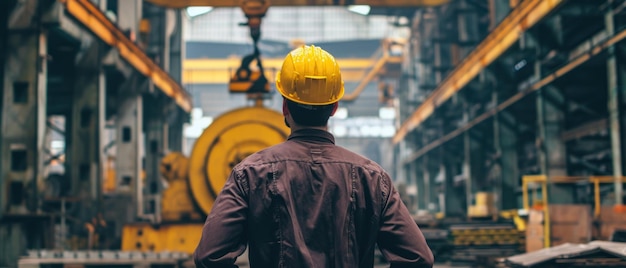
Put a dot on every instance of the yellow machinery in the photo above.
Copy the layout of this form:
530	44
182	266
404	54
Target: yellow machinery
484	206
195	182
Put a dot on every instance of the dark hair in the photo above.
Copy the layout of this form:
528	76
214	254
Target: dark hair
309	115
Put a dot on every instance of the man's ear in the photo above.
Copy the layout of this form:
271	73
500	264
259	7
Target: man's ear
285	109
335	106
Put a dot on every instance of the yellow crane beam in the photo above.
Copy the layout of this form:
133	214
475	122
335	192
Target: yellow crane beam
218	71
91	17
236	3
361	70
375	70
524	16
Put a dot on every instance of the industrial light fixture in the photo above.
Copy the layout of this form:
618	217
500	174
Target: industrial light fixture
360	9
197	11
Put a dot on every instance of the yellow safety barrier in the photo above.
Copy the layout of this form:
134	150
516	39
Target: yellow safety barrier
543	180
597	180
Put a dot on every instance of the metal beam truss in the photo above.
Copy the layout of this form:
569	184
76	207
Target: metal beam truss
523	17
91	17
492	121
575	61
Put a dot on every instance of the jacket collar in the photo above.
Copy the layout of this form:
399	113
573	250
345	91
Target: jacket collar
312	134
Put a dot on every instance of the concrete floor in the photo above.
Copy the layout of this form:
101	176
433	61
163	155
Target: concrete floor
387	265
242	262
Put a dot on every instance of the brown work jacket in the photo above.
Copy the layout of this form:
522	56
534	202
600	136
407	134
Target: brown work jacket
309	203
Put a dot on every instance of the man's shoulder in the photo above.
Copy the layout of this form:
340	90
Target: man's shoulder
346	155
339	154
261	157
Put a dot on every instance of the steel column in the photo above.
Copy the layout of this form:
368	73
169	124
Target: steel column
85	148
505	143
438	46
5	7
418	171
177	48
553	157
614	109
497	165
23	117
441	179
175	131
23	126
158	40
507	151
453	197
174	135
428	185
477	164
467	160
413	188
129	144
154	129
467	169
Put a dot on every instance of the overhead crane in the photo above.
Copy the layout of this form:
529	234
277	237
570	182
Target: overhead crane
359	70
217	71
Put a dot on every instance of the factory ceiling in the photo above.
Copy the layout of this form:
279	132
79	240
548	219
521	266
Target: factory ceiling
236	3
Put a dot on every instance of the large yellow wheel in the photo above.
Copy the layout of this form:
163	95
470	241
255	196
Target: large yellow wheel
228	140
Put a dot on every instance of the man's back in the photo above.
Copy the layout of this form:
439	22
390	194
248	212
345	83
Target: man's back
313	204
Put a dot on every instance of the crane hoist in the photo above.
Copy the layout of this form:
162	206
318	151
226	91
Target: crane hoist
245	79
195	182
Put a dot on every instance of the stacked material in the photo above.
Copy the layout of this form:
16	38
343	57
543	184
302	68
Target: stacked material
484	241
104	258
593	254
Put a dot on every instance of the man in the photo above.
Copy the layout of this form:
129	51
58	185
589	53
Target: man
307	202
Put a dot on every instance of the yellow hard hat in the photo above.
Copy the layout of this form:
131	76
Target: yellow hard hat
310	76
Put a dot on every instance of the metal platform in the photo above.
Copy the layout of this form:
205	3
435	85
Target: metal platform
88	258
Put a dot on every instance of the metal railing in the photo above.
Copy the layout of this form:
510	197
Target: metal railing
544	180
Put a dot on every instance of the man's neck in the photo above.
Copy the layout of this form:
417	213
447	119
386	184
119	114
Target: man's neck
296	128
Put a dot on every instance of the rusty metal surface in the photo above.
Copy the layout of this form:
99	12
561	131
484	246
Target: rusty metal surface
616	248
566	251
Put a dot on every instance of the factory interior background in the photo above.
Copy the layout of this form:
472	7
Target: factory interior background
501	122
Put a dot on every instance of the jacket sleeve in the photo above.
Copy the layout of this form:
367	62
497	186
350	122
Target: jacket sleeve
399	239
224	232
